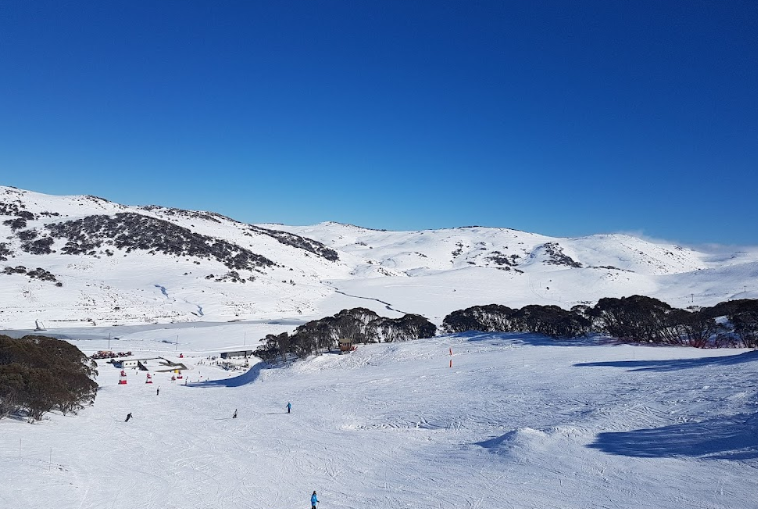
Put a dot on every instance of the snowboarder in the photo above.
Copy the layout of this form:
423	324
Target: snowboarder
289	407
157	391
235	414
314	500
128	416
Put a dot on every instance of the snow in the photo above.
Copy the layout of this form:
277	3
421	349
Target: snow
431	272
517	421
506	421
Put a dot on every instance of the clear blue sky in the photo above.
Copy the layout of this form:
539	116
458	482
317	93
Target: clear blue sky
563	118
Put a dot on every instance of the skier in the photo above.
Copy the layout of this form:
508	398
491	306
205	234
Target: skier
157	391
128	416
314	500
235	414
289	407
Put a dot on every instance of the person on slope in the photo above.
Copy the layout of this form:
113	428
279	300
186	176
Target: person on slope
314	500
289	407
128	416
235	414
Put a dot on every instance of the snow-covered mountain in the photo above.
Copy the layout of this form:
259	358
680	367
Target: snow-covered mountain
76	260
514	421
464	420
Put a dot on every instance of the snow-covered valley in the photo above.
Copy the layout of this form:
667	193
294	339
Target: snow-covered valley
505	421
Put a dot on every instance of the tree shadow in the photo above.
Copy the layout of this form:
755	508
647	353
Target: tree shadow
528	338
733	438
676	364
248	377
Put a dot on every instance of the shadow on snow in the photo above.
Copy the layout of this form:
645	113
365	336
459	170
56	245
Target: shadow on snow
497	442
528	338
732	438
248	377
675	364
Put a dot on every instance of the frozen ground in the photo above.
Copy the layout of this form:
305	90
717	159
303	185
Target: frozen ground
516	422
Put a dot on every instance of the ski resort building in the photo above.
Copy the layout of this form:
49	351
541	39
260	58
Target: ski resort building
242	354
141	364
157	364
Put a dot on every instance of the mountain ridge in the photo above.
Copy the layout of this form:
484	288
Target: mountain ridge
86	260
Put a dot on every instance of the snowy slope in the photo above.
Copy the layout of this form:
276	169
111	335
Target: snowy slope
446	249
511	421
516	422
121	286
299	273
435	272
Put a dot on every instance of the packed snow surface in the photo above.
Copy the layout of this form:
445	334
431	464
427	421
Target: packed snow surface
462	421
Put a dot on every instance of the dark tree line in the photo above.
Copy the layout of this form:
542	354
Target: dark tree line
39	374
38	273
358	325
286	238
548	320
131	231
634	319
304	243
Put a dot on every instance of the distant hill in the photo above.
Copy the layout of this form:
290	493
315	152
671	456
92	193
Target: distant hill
83	260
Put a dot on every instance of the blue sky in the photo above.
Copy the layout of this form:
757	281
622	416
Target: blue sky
555	117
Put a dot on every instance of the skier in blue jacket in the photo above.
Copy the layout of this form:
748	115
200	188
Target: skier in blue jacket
314	500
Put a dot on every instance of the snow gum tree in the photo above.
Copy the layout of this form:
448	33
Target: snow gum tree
40	374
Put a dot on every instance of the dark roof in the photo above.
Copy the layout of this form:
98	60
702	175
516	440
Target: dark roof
245	353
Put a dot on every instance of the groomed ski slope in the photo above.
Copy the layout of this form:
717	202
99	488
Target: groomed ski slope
516	422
